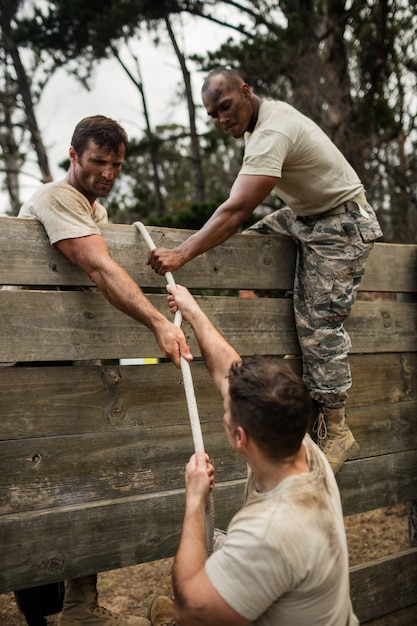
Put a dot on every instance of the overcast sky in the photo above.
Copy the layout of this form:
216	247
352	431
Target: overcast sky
64	102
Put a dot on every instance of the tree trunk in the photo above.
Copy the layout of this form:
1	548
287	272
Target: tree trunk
24	90
153	146
196	163
11	156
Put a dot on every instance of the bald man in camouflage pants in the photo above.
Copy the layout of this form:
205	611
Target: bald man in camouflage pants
328	216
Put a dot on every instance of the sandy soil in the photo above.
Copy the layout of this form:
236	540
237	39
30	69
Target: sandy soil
129	590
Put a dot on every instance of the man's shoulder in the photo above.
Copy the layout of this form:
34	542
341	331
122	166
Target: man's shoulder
269	107
52	187
58	188
46	192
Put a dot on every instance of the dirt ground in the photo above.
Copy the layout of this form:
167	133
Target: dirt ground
129	590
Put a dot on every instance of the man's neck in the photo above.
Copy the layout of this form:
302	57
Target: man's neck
256	103
268	474
72	180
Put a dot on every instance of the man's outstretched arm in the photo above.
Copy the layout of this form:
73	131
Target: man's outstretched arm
246	194
197	603
217	353
90	254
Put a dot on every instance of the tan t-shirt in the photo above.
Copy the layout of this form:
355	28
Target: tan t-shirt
64	212
284	560
313	175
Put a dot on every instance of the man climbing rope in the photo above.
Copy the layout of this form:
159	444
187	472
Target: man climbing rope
284	558
327	215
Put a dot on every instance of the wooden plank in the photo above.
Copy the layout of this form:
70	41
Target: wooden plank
70	400
242	262
54	325
382	327
383	379
50	472
376	482
98	536
245	261
372	598
391	267
380	429
404	617
40	325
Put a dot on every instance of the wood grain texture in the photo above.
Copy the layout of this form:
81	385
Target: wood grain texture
390	581
92	458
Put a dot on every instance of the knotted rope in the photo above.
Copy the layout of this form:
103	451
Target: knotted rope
190	397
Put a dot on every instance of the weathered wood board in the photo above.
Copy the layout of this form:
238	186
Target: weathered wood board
92	457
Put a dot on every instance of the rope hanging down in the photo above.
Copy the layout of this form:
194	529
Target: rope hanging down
189	395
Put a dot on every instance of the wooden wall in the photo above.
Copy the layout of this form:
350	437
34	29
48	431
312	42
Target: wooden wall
92	457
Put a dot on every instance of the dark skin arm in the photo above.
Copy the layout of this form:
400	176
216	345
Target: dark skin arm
90	254
246	194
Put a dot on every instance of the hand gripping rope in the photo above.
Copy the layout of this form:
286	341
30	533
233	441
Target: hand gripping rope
190	397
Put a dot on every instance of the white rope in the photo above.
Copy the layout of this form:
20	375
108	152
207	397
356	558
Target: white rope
189	395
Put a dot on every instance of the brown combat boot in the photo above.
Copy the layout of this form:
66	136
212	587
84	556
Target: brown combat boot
161	611
334	437
81	607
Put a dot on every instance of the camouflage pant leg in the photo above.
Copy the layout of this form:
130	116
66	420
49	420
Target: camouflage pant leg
277	223
331	261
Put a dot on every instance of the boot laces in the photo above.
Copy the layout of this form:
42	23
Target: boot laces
101	611
320	428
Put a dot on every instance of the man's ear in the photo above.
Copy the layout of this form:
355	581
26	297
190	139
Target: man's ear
241	437
246	90
73	155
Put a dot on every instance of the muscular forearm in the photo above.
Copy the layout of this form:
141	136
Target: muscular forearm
246	194
189	561
217	353
90	254
224	223
197	603
124	294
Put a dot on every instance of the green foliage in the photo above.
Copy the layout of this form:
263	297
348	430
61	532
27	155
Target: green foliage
133	197
349	65
193	218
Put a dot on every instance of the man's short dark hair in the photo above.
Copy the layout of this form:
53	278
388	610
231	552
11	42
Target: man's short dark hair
105	132
271	402
232	77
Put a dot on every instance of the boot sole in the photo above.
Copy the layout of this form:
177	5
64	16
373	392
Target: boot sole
350	453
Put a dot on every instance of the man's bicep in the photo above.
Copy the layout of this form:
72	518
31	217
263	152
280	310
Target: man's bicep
210	608
85	252
251	190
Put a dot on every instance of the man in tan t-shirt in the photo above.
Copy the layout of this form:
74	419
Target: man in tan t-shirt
328	216
284	559
71	216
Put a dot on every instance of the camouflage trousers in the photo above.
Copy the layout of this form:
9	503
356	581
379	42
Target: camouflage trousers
332	251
